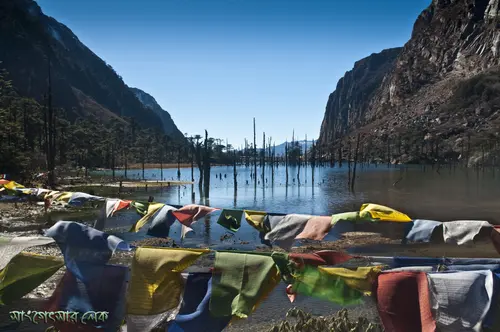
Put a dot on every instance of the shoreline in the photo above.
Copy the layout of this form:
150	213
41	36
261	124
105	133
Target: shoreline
157	166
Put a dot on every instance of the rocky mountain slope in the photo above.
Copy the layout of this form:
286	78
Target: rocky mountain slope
82	83
437	99
280	148
168	124
346	105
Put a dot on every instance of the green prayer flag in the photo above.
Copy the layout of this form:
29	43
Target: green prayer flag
284	265
231	219
25	272
141	208
312	281
240	282
351	216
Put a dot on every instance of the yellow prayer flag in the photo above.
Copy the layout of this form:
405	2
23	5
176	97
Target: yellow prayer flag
51	194
152	209
64	197
12	185
256	219
360	279
156	282
382	213
25	272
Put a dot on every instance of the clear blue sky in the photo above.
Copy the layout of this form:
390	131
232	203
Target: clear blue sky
216	64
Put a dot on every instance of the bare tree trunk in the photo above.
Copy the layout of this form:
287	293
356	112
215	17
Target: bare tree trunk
263	161
340	155
113	161
125	157
192	166
161	165
355	163
298	165
273	162
179	162
313	162
254	154
143	160
305	152
286	163
206	167
235	174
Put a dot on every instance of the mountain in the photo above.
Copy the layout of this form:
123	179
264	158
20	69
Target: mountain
82	83
436	97
169	126
346	104
280	149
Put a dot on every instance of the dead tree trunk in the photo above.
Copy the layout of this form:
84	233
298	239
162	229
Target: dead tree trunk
206	167
355	163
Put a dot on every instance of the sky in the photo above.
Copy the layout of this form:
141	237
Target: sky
217	64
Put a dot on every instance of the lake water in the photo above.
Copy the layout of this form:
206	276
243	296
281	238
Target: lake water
421	192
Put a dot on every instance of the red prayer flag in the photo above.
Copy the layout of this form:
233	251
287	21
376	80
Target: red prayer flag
403	302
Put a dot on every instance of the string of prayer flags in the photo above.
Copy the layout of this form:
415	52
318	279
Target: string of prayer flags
104	293
403	302
241	282
24	273
83	247
230	219
191	213
152	209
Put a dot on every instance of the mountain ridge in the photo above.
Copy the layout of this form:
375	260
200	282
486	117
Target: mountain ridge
168	124
82	83
453	48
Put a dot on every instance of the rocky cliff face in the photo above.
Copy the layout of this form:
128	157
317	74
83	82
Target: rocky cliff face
168	124
454	50
82	83
348	103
